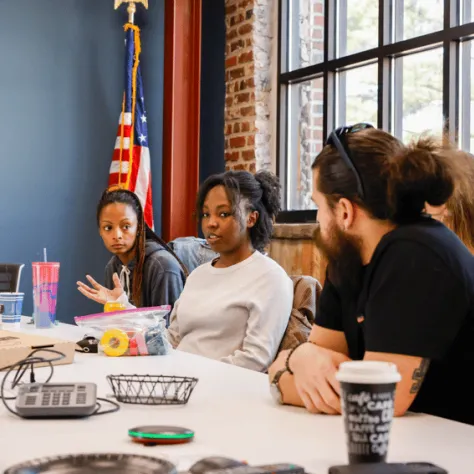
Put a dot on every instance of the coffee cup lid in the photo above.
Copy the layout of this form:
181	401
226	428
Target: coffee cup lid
368	371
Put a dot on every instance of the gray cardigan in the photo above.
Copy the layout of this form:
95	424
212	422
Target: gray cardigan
163	278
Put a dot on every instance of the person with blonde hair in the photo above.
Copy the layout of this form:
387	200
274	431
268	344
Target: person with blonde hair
458	212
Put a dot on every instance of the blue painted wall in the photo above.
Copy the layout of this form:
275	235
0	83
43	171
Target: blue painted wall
61	79
212	88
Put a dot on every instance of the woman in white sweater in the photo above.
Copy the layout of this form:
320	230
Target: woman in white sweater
235	308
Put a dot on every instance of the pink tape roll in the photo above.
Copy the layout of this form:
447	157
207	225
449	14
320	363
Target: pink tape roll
141	344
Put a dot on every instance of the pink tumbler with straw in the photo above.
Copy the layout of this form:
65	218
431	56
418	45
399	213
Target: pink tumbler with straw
45	293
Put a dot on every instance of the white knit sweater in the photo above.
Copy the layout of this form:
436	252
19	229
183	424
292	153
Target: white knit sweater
236	314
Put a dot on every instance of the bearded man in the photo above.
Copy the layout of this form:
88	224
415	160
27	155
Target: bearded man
399	285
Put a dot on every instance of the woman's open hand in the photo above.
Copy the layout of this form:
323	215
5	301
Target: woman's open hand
99	293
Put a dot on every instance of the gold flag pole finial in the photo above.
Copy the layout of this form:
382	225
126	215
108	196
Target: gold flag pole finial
131	9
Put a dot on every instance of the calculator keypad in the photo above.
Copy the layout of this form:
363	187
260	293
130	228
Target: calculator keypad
57	399
81	398
30	400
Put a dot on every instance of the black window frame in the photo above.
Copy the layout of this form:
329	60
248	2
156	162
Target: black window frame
450	38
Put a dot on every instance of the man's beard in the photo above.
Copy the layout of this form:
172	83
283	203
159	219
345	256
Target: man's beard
342	252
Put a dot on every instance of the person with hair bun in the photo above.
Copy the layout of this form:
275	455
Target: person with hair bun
399	286
236	308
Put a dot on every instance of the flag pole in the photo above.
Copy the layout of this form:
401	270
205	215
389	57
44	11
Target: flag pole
132	8
131	165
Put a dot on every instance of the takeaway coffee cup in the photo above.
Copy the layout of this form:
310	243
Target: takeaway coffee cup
11	305
367	396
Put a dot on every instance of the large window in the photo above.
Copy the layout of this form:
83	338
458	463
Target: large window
406	66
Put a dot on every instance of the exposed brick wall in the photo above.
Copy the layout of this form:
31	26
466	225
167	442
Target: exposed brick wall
248	85
250	75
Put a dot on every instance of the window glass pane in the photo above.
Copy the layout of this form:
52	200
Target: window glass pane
466	122
467	7
357	96
418	94
417	17
358	25
306	33
305	140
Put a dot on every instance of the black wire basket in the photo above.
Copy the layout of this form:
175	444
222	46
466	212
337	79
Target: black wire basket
152	389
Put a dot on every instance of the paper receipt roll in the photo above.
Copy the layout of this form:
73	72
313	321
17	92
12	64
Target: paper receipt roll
115	342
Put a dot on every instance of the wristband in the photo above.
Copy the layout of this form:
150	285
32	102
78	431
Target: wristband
287	363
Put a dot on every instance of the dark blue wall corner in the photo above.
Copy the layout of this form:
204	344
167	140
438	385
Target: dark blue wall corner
212	88
61	82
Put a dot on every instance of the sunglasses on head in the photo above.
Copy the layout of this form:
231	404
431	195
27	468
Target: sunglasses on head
337	139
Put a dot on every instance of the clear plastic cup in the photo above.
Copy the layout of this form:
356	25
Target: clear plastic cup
45	293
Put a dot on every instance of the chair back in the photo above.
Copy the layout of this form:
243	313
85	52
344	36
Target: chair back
10	275
306	292
192	251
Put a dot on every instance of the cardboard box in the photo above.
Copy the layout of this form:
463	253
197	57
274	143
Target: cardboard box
15	346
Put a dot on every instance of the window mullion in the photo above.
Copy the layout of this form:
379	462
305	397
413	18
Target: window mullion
450	73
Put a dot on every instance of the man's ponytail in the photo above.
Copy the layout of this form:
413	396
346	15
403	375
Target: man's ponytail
425	171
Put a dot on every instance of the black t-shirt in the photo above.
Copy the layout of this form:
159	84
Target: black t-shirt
417	299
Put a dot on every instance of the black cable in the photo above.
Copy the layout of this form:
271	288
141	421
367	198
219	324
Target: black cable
32	375
112	410
98	406
22	367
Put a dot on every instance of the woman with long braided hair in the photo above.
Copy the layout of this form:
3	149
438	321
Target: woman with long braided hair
143	268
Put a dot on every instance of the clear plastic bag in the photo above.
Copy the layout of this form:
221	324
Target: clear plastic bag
134	332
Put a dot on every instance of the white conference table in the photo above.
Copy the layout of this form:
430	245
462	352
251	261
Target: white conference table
231	412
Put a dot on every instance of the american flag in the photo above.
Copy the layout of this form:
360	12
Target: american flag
133	172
